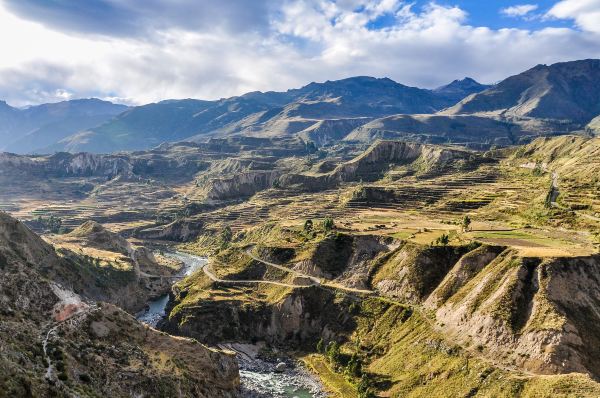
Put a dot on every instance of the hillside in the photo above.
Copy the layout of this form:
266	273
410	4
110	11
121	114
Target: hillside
467	319
33	129
563	91
60	343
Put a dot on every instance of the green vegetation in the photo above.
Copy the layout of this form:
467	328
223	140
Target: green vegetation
52	224
328	224
466	223
443	240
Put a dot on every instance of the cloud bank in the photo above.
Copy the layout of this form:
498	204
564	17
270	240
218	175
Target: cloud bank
135	51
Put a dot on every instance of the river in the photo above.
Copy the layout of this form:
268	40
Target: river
258	377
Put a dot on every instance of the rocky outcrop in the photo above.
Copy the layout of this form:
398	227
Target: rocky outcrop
463	271
299	319
179	231
412	272
345	258
67	165
97	236
240	185
175	164
375	161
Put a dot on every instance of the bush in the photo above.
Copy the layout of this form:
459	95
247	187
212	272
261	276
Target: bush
308	225
320	345
354	367
328	224
333	352
443	240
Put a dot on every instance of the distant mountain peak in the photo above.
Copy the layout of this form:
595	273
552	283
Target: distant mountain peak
466	83
561	91
460	88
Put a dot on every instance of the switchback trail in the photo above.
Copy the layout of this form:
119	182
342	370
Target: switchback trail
316	281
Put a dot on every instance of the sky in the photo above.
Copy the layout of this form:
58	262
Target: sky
141	51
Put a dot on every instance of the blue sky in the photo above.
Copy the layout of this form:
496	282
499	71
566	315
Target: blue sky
487	13
140	51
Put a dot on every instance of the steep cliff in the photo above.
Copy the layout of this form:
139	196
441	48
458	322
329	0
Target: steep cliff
379	158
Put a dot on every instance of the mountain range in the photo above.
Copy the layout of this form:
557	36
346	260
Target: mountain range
544	100
34	128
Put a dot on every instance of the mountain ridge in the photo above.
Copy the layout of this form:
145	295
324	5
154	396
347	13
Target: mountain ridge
31	129
252	113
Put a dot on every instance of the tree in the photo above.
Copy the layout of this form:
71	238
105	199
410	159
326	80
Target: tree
365	389
354	367
443	240
328	224
226	236
466	223
333	352
308	225
550	196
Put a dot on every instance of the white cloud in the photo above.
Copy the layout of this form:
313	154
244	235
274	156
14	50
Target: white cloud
305	40
586	13
519	10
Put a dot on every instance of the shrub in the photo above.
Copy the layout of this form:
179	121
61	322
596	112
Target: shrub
320	345
328	224
308	225
333	352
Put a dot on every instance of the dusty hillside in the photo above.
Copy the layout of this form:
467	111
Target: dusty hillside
58	343
573	157
573	163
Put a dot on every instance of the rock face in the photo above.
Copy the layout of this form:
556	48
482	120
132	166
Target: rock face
412	272
594	126
240	185
125	166
300	318
98	236
179	230
375	161
58	343
346	258
537	313
66	165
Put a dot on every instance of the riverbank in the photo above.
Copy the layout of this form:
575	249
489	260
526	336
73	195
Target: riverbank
275	376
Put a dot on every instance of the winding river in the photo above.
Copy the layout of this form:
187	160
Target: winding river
258	378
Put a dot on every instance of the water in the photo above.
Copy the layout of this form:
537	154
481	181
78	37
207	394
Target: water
258	378
291	384
156	309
